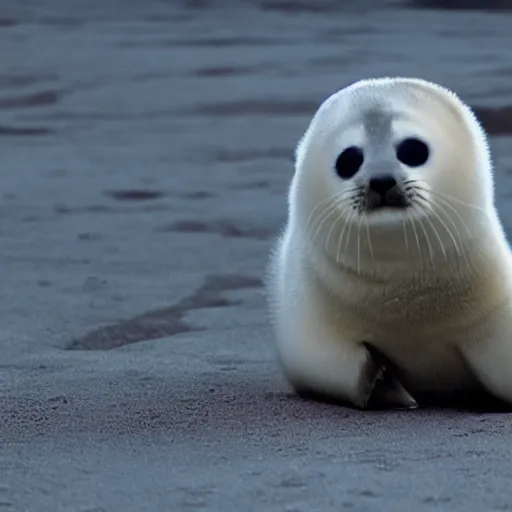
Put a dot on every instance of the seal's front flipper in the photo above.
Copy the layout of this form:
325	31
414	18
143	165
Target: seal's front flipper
388	391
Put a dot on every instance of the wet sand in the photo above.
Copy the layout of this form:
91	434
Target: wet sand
146	151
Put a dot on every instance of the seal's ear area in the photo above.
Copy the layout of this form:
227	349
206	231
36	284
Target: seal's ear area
300	148
445	97
450	101
307	137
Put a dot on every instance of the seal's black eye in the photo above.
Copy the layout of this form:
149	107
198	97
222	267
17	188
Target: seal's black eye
412	152
349	162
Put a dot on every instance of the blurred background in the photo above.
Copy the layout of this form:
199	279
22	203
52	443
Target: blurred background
146	149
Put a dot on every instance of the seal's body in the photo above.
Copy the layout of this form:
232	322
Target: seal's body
393	278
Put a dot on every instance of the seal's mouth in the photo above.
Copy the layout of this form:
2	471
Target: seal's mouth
394	200
384	192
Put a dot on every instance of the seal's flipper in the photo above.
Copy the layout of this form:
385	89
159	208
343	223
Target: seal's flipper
388	391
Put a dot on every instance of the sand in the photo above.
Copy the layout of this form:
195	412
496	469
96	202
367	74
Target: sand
146	149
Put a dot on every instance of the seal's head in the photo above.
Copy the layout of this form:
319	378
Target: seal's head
403	158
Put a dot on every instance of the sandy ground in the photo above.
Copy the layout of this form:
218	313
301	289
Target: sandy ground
146	148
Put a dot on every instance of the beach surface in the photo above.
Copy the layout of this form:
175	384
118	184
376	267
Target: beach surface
146	152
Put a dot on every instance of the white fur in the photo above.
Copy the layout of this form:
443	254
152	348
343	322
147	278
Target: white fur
436	300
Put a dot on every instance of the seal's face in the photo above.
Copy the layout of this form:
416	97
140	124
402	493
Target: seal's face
384	156
383	187
397	161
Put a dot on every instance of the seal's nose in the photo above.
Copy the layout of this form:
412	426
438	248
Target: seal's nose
382	184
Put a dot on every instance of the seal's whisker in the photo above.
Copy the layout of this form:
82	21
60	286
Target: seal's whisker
359	245
462	203
451	198
440	200
321	207
404	226
369	238
417	193
346	244
427	238
455	200
431	205
340	238
326	213
333	225
330	200
415	231
462	253
328	209
340	217
431	224
449	217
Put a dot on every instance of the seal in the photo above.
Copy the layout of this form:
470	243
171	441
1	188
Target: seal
391	284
